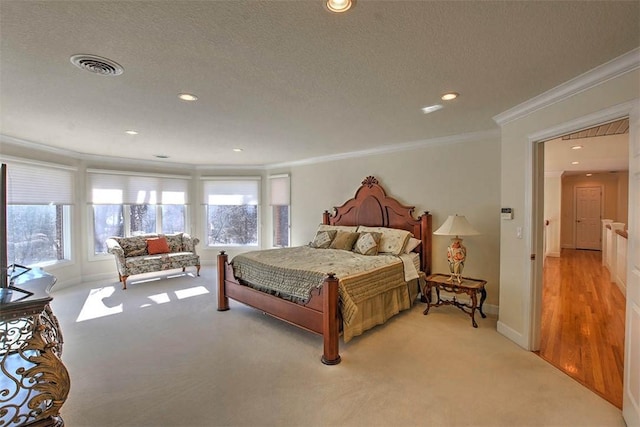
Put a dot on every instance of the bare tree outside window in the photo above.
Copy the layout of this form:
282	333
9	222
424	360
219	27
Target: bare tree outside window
232	225
34	234
108	221
173	219
143	219
281	226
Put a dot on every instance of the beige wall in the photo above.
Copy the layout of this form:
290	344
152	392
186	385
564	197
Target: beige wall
515	263
446	179
609	182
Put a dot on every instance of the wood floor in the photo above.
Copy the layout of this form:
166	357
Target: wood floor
583	322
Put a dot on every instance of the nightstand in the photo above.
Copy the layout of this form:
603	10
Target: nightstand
471	287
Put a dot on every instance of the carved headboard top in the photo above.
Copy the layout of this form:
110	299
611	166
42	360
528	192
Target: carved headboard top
372	207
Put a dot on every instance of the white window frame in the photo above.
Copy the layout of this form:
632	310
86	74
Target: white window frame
205	224
59	189
129	179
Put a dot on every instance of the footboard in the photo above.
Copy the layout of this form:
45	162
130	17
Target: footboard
320	315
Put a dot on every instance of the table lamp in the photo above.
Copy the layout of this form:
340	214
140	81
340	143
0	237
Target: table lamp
456	225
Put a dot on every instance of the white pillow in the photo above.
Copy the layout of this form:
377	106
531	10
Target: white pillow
367	243
393	240
323	239
411	245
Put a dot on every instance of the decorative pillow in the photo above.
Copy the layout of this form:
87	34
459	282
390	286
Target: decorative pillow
411	245
323	239
393	240
325	227
344	240
367	243
174	241
157	246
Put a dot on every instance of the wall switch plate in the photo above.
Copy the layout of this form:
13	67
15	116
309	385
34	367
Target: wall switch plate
506	213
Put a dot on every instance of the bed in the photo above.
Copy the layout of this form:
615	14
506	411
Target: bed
324	309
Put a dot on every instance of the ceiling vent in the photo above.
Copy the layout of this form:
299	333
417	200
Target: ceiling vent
97	65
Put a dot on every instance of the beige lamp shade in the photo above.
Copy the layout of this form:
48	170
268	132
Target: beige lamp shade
456	225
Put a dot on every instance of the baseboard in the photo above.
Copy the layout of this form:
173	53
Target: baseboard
513	335
102	277
567	246
622	286
554	254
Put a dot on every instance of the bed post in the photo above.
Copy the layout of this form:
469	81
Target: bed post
425	228
330	321
223	301
325	217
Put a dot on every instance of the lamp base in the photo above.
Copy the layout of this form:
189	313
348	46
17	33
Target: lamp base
456	255
455	277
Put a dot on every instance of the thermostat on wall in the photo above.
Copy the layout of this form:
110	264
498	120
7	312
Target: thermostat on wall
506	213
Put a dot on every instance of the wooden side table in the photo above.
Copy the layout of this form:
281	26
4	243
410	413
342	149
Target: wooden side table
471	287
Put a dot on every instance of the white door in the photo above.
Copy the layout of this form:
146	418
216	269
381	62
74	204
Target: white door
588	227
631	386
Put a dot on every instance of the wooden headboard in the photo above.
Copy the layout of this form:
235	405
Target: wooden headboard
372	207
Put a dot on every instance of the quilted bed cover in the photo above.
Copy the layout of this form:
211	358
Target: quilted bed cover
367	284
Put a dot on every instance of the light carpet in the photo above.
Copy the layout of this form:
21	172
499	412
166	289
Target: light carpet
159	354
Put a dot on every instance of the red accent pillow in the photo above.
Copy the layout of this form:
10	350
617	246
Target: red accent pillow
157	246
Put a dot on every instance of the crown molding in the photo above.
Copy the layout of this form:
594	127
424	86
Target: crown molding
623	64
89	157
445	140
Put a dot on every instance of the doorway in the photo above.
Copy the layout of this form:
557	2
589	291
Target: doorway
588	202
582	320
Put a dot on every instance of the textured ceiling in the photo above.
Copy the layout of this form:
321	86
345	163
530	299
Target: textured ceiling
287	81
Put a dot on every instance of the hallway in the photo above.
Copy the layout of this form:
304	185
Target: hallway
582	331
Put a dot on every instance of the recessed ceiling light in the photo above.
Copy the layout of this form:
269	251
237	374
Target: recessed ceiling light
575	163
160	156
576	147
339	6
237	150
449	96
131	132
187	97
589	174
431	108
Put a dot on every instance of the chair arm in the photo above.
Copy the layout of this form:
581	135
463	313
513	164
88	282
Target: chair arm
114	248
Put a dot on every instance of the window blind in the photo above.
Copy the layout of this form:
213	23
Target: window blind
115	188
221	191
279	190
39	184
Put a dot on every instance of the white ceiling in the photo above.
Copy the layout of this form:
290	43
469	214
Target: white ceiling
286	80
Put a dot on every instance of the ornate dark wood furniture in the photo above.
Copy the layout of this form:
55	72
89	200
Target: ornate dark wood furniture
471	287
34	382
371	207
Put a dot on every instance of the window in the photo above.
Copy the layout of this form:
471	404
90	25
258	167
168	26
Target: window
39	199
232	211
279	199
129	204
